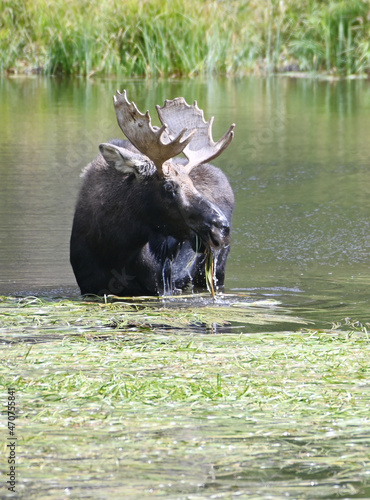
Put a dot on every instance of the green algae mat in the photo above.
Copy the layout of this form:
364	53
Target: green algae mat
181	398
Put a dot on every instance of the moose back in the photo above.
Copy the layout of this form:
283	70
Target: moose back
146	219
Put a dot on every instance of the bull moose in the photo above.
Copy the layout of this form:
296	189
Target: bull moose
146	220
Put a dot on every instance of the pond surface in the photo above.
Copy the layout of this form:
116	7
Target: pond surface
299	166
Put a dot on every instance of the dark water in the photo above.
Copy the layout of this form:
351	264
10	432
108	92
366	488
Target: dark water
299	166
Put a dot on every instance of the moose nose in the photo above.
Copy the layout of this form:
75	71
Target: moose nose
220	231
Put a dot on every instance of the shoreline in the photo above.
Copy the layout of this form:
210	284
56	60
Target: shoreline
309	75
185	39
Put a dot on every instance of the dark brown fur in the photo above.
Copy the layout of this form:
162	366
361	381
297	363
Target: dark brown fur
137	233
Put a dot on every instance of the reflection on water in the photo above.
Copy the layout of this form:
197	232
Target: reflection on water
299	166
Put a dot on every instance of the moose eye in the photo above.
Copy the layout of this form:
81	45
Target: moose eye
169	188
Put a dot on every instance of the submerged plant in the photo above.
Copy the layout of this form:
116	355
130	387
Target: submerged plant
152	397
210	271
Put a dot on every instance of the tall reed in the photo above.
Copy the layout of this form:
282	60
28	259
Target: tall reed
184	37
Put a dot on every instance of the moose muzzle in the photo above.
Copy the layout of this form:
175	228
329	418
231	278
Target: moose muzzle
219	232
211	225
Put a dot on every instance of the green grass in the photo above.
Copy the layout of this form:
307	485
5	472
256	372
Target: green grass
138	399
184	38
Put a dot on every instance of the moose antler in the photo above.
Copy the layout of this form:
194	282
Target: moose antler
177	118
202	148
146	138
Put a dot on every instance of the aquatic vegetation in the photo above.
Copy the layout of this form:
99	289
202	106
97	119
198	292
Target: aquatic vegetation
199	313
184	38
142	392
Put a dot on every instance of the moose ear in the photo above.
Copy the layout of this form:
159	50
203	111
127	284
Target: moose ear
126	161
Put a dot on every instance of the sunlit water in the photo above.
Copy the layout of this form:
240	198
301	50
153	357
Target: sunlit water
299	166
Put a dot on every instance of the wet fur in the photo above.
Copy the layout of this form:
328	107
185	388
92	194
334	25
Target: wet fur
124	243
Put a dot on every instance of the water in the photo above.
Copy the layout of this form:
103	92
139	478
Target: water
299	166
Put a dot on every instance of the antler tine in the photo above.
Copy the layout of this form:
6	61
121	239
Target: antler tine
202	148
148	139
216	148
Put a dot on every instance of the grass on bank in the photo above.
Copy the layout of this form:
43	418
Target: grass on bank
110	407
184	37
